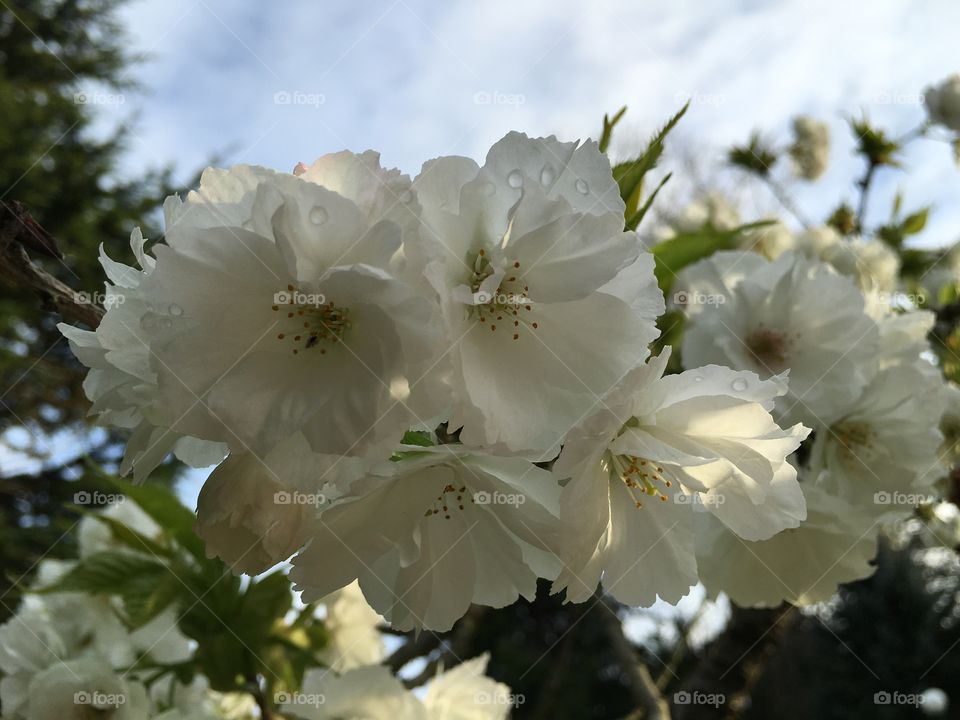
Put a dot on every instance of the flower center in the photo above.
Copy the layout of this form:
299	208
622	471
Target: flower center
768	348
450	498
311	322
639	475
506	305
855	439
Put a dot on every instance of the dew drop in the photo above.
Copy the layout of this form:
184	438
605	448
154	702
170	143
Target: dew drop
581	186
515	179
739	384
318	216
166	323
175	310
547	175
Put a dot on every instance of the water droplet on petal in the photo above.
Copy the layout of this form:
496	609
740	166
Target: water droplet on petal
318	215
166	323
581	186
547	175
739	384
175	310
515	179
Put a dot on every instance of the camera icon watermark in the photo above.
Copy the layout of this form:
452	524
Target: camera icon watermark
485	97
684	697
897	497
298	97
96	498
685	298
98	98
107	299
885	697
295	497
99	700
482	497
299	298
701	502
499	698
299	698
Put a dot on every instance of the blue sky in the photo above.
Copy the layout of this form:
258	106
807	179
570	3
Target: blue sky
416	79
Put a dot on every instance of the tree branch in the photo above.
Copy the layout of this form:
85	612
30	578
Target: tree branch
19	232
642	686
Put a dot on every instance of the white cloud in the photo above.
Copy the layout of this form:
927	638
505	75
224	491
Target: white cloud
403	76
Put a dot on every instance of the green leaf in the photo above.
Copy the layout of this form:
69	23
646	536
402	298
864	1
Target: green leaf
608	125
634	221
915	222
147	595
265	602
130	538
755	156
164	507
629	175
673	255
105	572
421	438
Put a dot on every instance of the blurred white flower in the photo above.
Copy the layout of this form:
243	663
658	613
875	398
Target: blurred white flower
804	565
524	254
943	102
373	693
121	381
873	264
771	241
80	689
887	440
790	314
659	448
451	528
352	626
810	150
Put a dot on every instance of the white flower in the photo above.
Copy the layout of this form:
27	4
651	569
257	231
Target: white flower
246	516
835	544
815	242
943	102
771	241
434	532
29	643
352	626
282	317
465	693
121	380
810	150
95	535
370	692
710	210
659	448
789	314
85	688
528	261
373	693
888	439
873	264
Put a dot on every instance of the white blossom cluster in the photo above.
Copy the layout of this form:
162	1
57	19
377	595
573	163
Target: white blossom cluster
314	329
860	377
67	655
70	655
